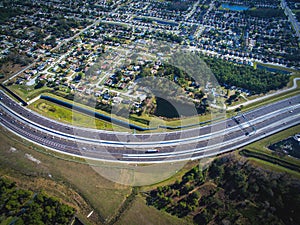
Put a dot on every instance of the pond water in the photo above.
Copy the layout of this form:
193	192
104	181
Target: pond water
235	7
270	69
173	109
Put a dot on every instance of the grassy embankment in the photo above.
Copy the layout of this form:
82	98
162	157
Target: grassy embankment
68	116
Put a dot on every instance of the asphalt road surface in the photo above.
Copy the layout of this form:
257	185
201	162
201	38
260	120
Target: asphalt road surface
162	147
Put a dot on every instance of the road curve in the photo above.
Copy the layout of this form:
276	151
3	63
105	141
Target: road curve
173	146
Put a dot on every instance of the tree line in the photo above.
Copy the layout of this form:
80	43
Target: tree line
18	206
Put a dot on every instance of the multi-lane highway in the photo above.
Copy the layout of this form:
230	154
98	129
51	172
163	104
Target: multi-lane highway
125	147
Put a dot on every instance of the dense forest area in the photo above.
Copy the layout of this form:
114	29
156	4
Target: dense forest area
256	81
19	207
230	191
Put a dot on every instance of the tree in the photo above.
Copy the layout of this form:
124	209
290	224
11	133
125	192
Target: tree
40	84
203	217
216	170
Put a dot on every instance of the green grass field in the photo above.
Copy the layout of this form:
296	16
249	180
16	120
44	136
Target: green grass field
75	183
28	92
96	110
139	213
69	116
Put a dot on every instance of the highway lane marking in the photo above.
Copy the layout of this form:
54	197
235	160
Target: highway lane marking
203	149
161	161
150	144
126	133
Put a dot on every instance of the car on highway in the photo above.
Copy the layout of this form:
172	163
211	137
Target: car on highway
151	151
